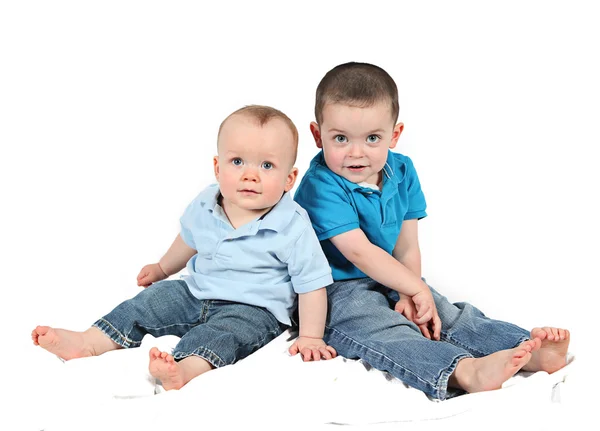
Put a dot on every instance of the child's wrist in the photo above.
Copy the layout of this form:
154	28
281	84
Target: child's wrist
161	268
313	335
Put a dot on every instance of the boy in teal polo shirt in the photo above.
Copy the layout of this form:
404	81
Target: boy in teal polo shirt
249	249
364	202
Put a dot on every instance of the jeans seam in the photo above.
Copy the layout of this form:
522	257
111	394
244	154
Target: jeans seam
121	339
448	337
206	354
383	355
445	376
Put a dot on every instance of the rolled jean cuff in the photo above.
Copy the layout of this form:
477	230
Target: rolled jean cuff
111	332
443	391
204	353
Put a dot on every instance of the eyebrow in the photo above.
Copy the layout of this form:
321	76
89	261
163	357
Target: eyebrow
343	132
267	156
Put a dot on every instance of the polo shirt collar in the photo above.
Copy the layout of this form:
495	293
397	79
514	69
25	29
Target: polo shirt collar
393	174
277	219
280	215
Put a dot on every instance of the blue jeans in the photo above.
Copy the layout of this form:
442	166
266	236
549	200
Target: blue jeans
221	332
362	324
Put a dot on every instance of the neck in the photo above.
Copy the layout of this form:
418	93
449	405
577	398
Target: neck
237	216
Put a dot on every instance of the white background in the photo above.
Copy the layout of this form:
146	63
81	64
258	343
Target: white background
109	113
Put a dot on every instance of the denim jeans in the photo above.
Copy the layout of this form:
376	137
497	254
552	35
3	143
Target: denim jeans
362	324
221	332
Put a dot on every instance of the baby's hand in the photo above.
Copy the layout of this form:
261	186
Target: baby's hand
313	349
427	312
407	308
150	274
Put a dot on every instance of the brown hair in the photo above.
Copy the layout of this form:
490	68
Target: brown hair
263	114
357	84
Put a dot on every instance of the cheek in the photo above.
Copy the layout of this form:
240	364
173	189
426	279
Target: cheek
334	158
226	178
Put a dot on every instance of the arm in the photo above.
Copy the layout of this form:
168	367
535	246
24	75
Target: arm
387	270
407	252
171	263
312	311
377	263
176	257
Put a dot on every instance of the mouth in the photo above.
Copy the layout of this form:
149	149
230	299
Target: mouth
355	168
248	192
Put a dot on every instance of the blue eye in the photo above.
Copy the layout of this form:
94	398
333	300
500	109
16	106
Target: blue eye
373	139
237	162
267	165
340	139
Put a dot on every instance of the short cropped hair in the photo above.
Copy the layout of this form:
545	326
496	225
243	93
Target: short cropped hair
262	115
356	84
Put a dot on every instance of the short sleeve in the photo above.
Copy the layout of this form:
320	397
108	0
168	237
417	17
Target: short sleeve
327	204
187	223
416	199
307	265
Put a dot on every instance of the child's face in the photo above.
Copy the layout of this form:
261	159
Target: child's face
355	140
254	166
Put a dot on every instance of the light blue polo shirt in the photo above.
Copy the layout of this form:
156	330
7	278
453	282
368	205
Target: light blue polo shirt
263	263
336	205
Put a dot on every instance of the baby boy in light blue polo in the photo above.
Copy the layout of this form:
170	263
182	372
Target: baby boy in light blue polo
251	254
263	263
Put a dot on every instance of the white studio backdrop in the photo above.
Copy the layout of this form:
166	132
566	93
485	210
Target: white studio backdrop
109	113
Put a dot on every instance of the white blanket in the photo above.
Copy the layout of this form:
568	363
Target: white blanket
115	392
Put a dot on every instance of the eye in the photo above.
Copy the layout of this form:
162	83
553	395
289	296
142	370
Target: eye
340	139
237	162
373	139
267	165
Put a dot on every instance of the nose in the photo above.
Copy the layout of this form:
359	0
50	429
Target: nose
356	150
250	174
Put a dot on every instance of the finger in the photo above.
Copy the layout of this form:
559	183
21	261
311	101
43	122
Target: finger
425	318
425	331
332	351
325	354
316	354
423	311
306	354
293	349
437	327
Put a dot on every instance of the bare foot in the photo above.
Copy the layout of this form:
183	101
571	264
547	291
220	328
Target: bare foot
552	356
164	368
488	373
174	375
63	343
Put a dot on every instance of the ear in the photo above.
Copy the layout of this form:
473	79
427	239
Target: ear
398	128
314	129
291	179
216	166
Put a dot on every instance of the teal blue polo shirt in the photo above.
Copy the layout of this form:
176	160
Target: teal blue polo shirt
336	205
265	262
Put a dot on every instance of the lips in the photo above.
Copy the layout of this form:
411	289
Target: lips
356	168
248	191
